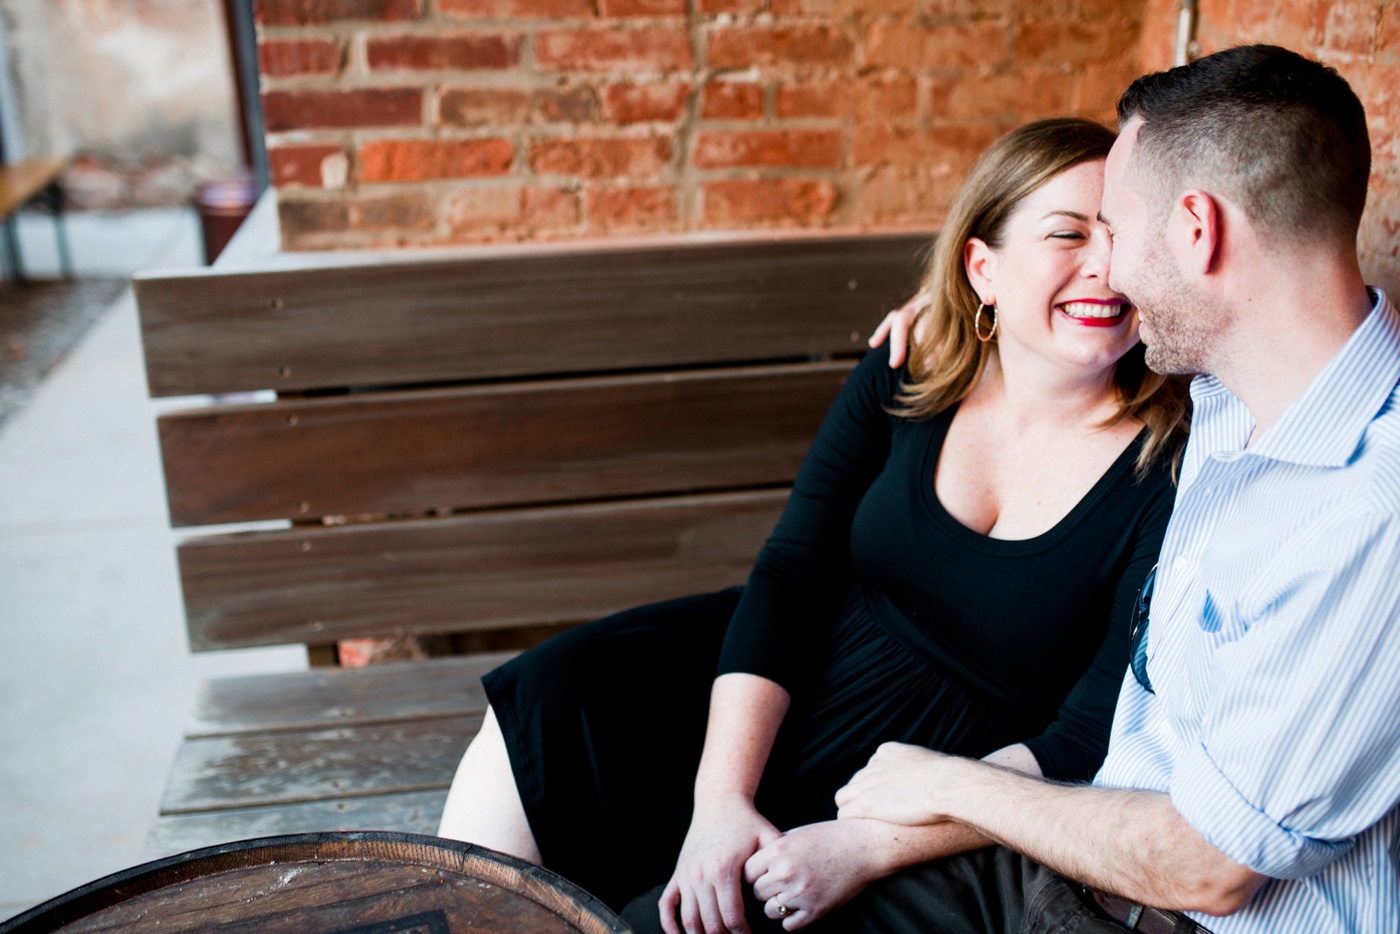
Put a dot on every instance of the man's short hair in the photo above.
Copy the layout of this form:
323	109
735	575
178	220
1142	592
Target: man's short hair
1280	135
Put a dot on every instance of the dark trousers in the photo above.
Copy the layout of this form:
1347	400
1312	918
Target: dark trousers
988	891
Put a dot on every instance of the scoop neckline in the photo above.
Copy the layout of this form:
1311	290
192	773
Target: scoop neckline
933	446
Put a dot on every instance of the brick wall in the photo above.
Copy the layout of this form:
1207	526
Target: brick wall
1362	41
436	121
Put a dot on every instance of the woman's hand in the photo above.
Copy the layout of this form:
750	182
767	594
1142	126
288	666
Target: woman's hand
815	869
898	326
706	887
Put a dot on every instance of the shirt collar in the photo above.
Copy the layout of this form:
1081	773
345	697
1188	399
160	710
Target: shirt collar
1325	424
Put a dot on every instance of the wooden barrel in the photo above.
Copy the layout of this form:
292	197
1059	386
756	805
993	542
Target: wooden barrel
328	883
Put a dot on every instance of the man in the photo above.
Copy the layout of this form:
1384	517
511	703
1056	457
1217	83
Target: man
1253	775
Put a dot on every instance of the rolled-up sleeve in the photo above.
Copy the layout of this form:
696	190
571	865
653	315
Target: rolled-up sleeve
1299	748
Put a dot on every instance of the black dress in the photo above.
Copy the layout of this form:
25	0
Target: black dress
884	618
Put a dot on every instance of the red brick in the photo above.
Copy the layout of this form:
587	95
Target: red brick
1378	87
1351	27
782	201
302	165
621	8
299	218
977	9
486	106
520	210
1300	24
733	100
601	158
1388	32
479	209
286	58
523	9
769	46
624	208
839	8
1067	43
907	195
953	147
888	98
1156	48
874	99
595	49
551	207
1099	87
429	53
730	6
1379	243
364	107
412	160
1026	94
1385	159
407	211
769	148
312	12
981	44
645	103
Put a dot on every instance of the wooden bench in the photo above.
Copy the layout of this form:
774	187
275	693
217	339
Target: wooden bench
480	449
23	182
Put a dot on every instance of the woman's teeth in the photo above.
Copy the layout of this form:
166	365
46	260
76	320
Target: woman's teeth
1092	310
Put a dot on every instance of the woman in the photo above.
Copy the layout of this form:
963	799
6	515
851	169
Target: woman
956	567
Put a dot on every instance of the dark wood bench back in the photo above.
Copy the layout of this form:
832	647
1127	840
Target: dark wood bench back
516	437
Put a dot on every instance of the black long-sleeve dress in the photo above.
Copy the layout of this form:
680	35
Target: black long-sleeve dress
883	616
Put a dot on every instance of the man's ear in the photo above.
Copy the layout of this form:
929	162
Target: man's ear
981	264
1198	219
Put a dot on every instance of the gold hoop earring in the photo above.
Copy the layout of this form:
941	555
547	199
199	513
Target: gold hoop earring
977	323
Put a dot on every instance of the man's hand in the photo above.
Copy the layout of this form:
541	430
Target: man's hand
898	327
814	869
706	886
897	786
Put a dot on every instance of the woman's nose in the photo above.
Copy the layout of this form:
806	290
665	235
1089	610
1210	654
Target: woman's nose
1097	256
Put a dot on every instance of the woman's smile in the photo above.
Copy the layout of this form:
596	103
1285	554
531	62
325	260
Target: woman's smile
1096	312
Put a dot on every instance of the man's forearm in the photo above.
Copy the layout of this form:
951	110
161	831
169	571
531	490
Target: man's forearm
1131	843
898	846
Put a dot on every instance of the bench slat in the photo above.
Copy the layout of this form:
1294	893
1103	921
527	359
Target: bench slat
291	766
408	812
324	697
483	571
515	444
559	309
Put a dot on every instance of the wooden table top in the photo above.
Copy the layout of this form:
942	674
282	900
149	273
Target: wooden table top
328	883
22	180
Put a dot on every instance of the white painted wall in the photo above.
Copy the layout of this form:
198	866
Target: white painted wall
126	80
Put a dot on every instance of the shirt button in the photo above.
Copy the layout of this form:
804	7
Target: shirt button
1180	563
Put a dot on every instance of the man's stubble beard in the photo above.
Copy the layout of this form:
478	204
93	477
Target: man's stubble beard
1183	328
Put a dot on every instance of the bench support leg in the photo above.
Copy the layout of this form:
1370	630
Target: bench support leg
9	239
54	196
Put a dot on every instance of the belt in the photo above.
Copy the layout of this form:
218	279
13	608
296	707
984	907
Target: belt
1145	920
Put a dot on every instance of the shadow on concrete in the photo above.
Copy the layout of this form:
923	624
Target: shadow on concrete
40	322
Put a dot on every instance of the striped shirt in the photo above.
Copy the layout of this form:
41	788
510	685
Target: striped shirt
1274	646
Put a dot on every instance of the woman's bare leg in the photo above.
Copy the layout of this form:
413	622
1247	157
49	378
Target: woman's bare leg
483	805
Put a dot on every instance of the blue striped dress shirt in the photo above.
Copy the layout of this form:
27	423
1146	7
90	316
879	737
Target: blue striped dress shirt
1274	647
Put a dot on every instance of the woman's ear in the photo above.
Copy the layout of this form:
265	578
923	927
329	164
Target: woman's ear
980	262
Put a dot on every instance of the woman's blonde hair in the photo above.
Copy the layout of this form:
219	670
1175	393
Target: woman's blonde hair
948	359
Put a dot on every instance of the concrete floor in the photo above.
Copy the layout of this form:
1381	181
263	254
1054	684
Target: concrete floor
96	681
